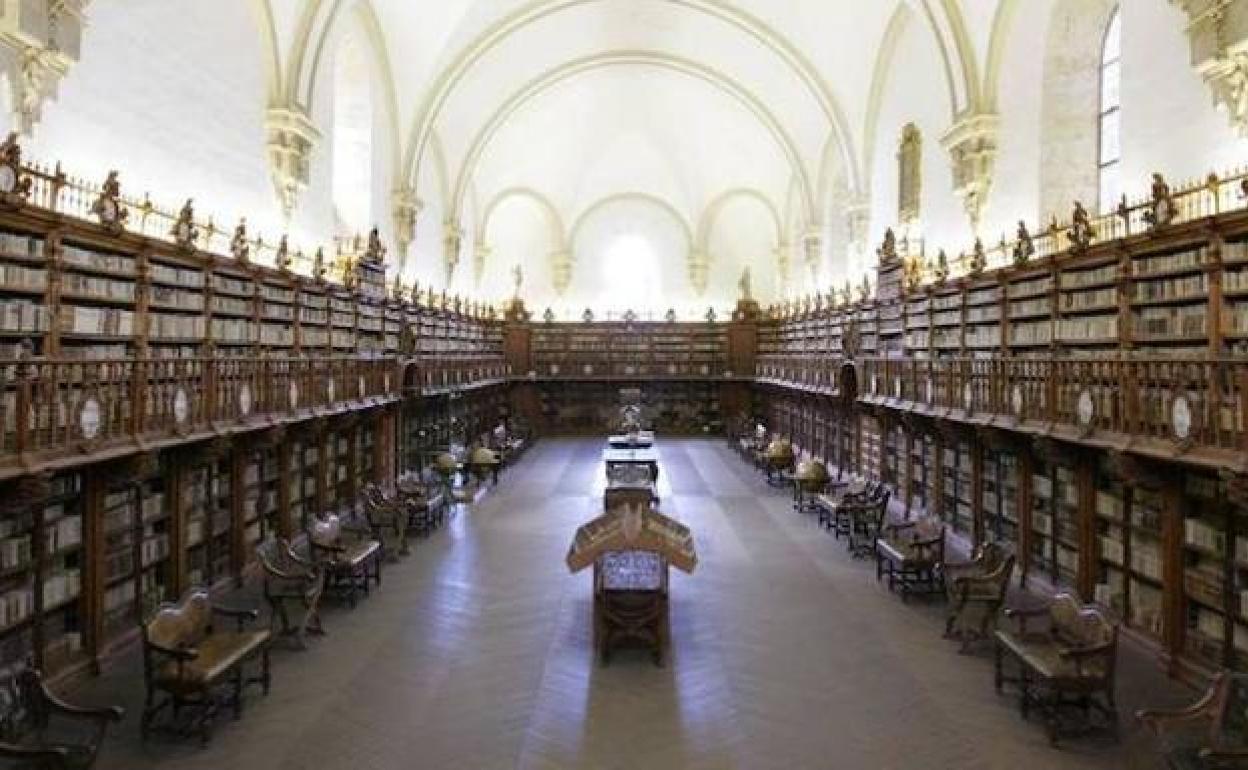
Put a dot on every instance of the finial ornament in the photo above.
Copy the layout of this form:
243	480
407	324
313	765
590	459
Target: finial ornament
548	316
184	231
397	290
588	316
108	207
374	252
1024	248
318	265
282	258
1162	210
710	315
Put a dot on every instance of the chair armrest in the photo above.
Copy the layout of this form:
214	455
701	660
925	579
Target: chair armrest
1080	654
180	654
58	755
1021	616
102	713
1221	753
333	549
243	616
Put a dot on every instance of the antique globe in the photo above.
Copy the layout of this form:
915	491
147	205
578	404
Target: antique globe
483	456
446	463
779	449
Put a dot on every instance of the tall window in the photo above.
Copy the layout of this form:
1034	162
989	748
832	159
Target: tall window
909	174
1110	118
353	136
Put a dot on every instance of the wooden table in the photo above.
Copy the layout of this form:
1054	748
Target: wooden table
643	440
648	457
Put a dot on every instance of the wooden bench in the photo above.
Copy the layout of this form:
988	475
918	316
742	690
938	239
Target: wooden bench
976	591
1070	663
1220	711
292	587
187	659
426	501
38	729
348	554
912	554
388	518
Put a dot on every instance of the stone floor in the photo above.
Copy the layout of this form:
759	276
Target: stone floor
786	654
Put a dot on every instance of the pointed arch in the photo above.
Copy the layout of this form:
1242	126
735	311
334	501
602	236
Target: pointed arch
643	197
553	219
711	215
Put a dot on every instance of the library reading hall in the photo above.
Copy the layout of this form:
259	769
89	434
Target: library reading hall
621	384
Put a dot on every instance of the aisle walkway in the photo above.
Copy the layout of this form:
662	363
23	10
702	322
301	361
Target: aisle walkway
475	654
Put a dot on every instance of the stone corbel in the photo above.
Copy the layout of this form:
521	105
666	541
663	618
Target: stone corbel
480	256
45	39
561	270
452	245
699	271
405	207
291	139
783	254
972	148
1218	33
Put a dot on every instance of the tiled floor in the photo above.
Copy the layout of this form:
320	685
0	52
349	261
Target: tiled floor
787	654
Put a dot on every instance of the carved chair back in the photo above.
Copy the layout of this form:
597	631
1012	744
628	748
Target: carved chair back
279	561
21	709
1085	626
181	624
1229	728
326	531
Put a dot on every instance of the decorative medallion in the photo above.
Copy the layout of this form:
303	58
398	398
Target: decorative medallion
1181	417
181	407
244	399
90	418
1085	408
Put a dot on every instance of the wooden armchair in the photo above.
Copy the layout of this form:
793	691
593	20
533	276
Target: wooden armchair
865	519
425	500
347	552
1072	663
186	659
976	591
31	737
388	518
1222	711
292	587
912	554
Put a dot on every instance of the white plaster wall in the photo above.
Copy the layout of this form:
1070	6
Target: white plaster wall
171	93
744	235
916	92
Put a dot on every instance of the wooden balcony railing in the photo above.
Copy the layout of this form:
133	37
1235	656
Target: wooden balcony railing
457	373
1187	403
51	408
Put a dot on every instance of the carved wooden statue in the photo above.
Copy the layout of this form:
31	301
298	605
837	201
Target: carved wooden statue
1161	210
979	258
941	272
282	258
184	231
374	253
1081	233
745	285
238	244
1024	248
108	207
14	186
888	251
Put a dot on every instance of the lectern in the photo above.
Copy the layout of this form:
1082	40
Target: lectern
631	548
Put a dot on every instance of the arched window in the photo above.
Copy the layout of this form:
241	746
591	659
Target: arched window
353	135
1110	117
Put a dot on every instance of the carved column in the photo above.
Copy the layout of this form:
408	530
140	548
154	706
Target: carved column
291	139
812	250
405	207
561	270
784	258
858	226
1218	33
972	147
